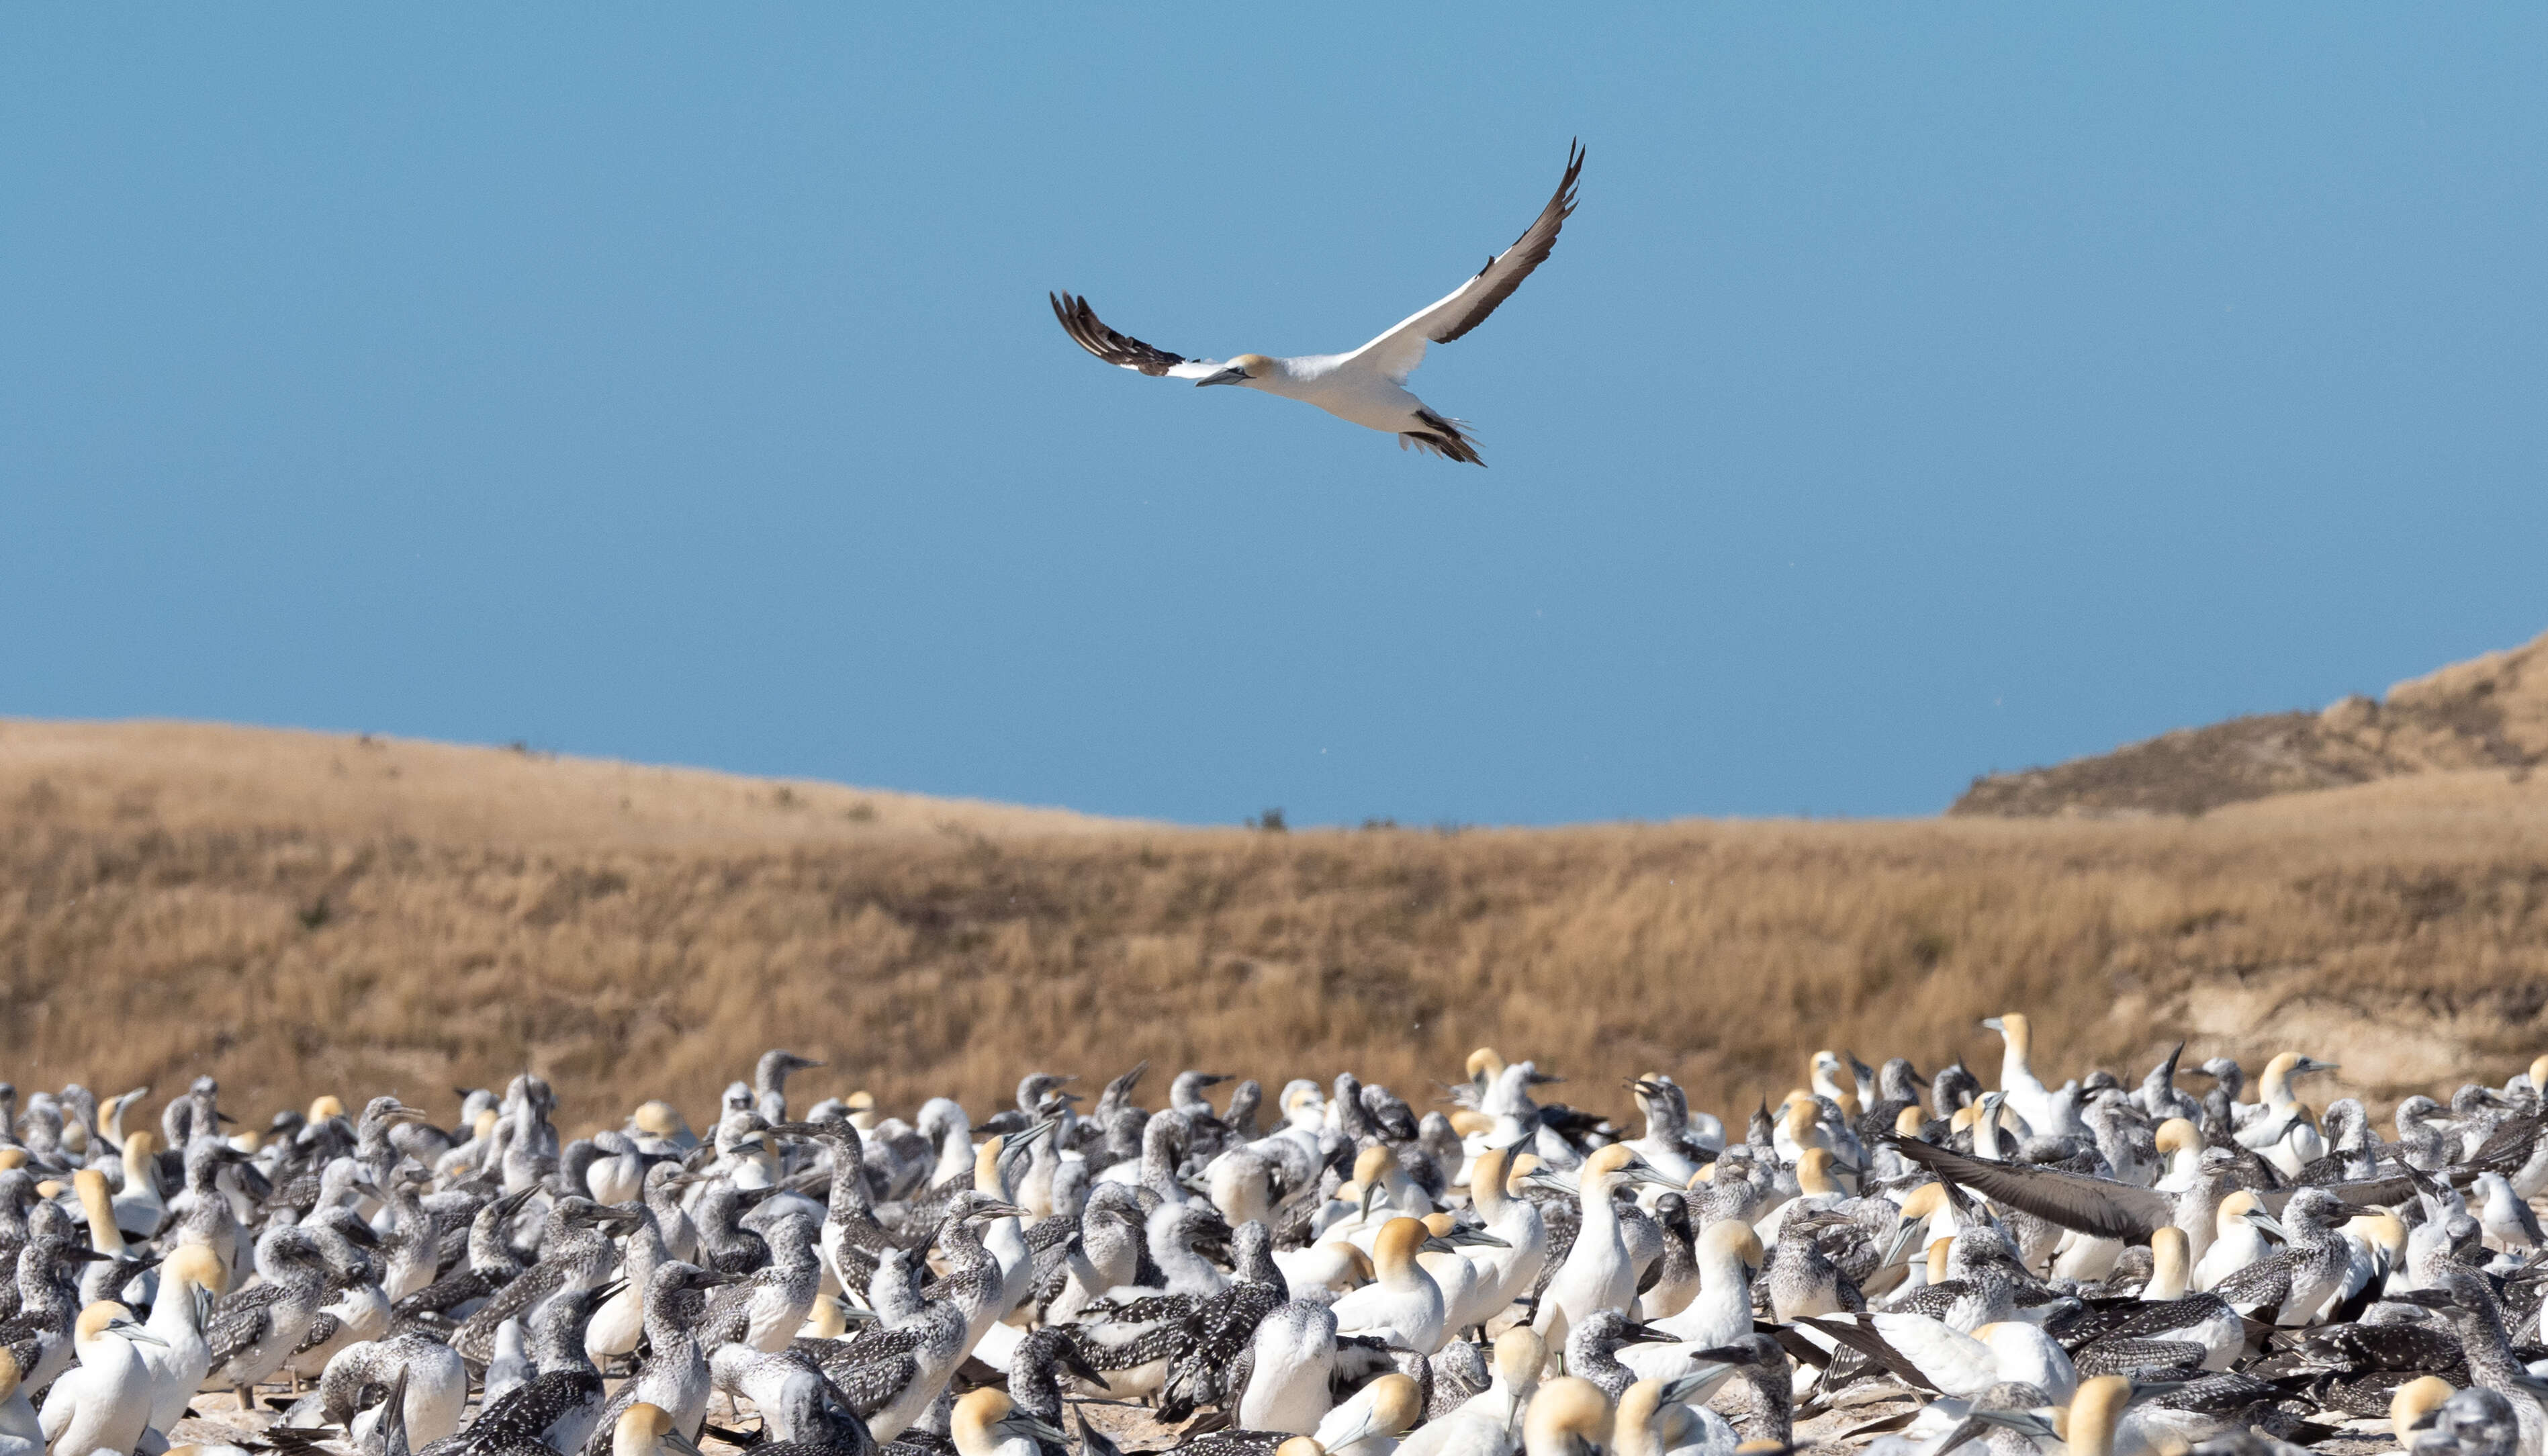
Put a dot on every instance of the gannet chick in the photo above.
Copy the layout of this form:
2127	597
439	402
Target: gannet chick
104	1401
2472	1422
429	1382
1367	386
674	1378
1593	1349
252	1330
2167	1312
1295	1357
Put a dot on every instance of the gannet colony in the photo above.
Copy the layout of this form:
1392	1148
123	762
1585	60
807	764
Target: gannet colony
1889	1260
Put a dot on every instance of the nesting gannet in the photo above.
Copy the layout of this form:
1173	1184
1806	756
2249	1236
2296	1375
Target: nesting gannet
103	1403
1368	384
645	1430
1597	1273
1726	1253
190	1281
1221	1330
1567	1416
21	1432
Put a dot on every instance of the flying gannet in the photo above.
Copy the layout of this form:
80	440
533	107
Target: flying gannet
1369	385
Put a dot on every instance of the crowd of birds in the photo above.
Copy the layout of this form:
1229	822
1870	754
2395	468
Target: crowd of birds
1914	1263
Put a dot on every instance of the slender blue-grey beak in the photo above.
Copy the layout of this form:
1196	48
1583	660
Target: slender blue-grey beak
1226	376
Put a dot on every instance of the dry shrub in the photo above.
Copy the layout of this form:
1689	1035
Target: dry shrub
292	930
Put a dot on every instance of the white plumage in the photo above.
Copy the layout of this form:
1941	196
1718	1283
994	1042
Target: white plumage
1367	386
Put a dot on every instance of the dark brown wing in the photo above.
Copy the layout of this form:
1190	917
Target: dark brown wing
1081	322
2099	1207
1528	251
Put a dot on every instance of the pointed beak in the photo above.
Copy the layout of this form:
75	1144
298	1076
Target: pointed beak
133	1331
1226	376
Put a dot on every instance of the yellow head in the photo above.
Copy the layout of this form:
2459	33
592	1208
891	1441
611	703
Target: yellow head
140	1148
1923	1201
642	1428
195	1265
2412	1402
2014	1030
2235	1207
9	1376
1908	1122
2176	1135
12	1157
986	1165
2168	1249
94	1320
1613	1160
1300	1447
1469	1124
1814	1171
326	1106
2090	1427
1518	1357
1731	1239
1395	1406
1484	1064
1372	1165
1487	1174
1393	1248
1565	1411
657	1119
976	1412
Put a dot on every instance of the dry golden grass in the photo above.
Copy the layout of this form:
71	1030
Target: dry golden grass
285	911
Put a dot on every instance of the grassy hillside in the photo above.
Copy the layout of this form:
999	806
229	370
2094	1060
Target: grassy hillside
301	912
2488	713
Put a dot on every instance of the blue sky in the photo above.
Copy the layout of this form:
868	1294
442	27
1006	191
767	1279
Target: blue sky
1918	390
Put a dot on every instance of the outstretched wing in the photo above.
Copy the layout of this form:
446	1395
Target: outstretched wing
1081	322
1397	352
2098	1207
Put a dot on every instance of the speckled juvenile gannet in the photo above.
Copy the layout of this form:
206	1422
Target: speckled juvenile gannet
1368	384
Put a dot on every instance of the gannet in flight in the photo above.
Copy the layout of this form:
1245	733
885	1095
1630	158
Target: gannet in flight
1367	386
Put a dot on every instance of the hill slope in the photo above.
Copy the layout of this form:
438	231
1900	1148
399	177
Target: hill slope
284	911
2491	712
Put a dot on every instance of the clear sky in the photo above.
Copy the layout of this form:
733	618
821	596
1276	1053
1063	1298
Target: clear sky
1919	390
